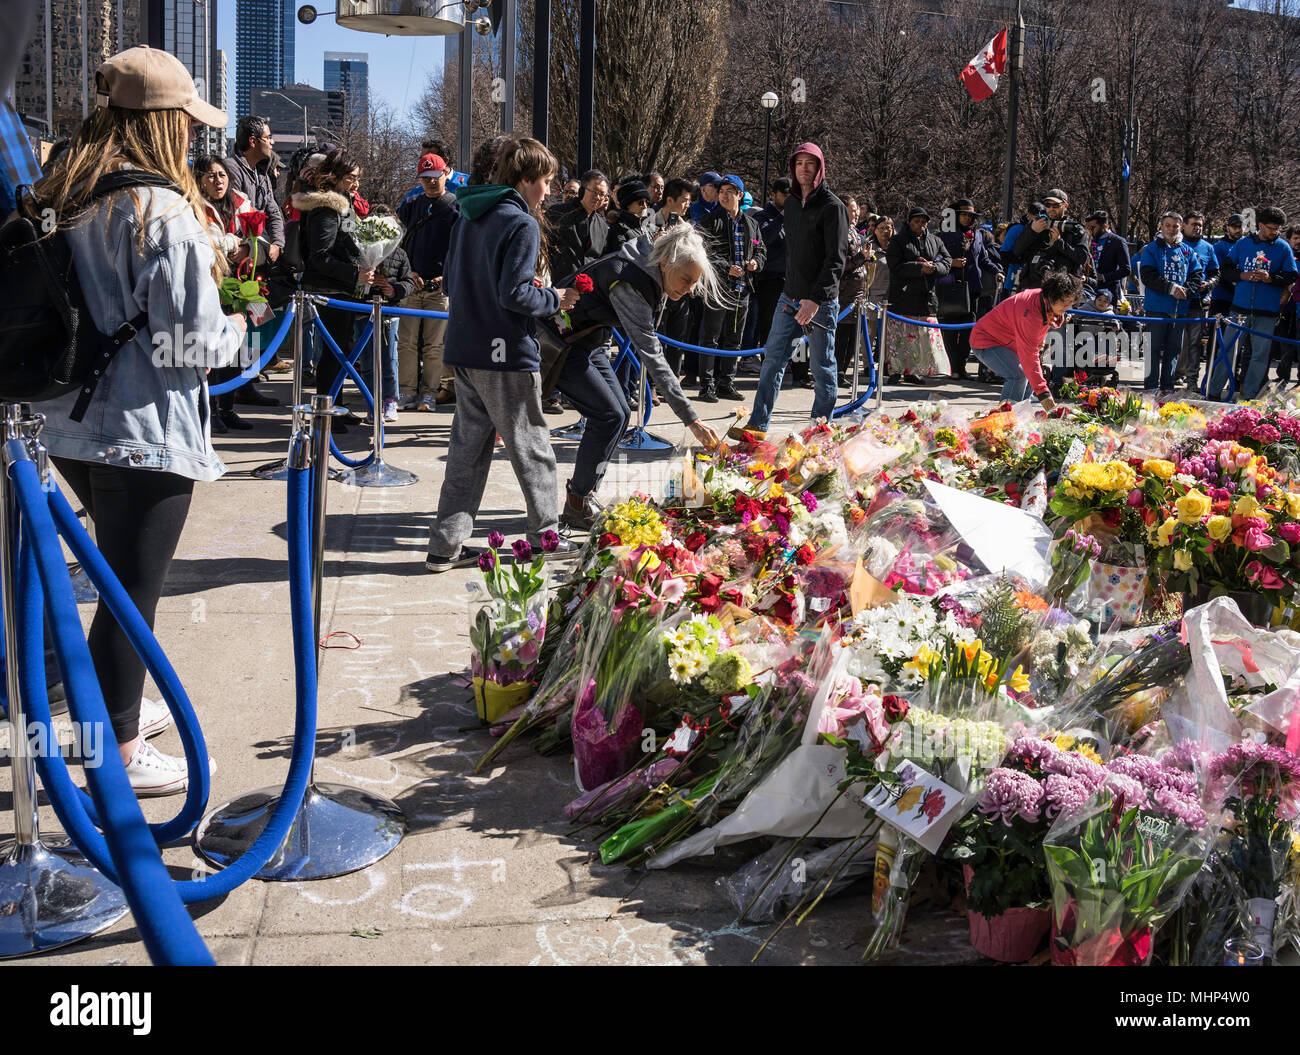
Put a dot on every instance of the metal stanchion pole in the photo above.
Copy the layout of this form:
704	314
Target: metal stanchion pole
857	346
637	438
280	470
378	473
339	829
1213	350
49	894
880	356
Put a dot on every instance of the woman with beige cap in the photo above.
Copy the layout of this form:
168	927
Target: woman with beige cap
144	258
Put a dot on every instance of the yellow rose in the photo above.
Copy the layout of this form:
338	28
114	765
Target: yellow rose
1192	506
1182	560
1158	467
1247	506
1219	527
1292	504
1165	533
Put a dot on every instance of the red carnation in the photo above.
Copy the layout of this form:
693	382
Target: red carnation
252	224
781	475
805	554
583	283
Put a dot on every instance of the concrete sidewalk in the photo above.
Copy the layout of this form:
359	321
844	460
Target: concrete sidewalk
489	871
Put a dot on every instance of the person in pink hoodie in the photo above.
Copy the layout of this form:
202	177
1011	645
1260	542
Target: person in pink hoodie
1009	339
816	244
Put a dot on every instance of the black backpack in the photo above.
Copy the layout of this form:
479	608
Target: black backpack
48	344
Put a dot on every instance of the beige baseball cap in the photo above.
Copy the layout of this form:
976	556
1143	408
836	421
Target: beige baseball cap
143	78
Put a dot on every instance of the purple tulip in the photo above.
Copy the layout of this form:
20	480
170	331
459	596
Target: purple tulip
487	560
496	540
523	549
550	541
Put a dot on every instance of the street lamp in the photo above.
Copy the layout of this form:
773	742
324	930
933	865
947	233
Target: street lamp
769	102
264	92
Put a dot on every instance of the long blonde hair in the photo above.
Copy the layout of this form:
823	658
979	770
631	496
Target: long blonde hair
110	137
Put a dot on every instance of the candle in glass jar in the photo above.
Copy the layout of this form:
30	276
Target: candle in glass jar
1242	952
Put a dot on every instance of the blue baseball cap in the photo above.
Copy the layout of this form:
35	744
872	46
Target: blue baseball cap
735	181
709	178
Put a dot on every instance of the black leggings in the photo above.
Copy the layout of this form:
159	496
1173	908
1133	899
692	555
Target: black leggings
138	516
339	324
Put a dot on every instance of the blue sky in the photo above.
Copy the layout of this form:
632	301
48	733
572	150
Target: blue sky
399	66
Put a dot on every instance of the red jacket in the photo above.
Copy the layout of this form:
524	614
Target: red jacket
1017	323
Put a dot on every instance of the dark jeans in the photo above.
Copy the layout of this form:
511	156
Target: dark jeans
723	328
219	376
588	382
676	323
1286	353
1166	344
138	516
339	323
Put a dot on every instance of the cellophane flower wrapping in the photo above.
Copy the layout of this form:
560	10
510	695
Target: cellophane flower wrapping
377	237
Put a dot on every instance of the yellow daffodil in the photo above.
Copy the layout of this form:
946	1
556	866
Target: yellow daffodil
1018	681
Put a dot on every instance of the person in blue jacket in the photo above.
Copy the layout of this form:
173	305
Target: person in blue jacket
1172	275
708	200
1261	265
1189	363
1011	264
1221	294
493	348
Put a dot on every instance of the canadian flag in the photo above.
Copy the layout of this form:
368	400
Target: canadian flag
981	74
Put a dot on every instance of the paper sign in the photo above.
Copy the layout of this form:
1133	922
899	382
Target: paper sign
921	805
1074	455
1003	537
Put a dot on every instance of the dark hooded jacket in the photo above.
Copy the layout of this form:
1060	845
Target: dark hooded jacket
816	236
327	232
488	279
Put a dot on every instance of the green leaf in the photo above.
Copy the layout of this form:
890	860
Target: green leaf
367	932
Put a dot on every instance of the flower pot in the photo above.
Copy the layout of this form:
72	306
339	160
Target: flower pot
1257	607
1011	937
492	699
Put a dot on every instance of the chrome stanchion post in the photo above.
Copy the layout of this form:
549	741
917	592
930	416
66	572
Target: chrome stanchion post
1213	350
280	470
338	829
637	438
880	356
378	473
49	894
857	345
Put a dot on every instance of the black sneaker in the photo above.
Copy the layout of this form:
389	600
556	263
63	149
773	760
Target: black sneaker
729	391
708	395
233	421
467	557
552	406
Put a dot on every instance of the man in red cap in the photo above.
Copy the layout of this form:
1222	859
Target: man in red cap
428	220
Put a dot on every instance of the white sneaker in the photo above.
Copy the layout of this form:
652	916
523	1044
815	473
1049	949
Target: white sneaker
153	773
155	716
390	410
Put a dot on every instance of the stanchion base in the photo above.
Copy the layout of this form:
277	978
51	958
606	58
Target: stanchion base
273	470
569	432
640	440
51	896
339	829
380	474
83	590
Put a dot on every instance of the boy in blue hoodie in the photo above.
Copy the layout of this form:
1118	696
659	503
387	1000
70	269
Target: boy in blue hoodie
1261	265
493	349
1173	277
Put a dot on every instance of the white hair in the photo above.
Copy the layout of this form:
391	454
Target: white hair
681	245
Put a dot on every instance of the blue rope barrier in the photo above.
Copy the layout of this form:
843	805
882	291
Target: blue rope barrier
1181	320
349	371
857	404
1256	333
165	927
1222	356
67	799
246	376
931	325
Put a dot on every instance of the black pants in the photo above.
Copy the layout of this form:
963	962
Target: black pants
957	342
846	344
1286	353
723	328
588	382
138	516
339	323
676	323
219	376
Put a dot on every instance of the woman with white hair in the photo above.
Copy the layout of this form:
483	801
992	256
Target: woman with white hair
626	290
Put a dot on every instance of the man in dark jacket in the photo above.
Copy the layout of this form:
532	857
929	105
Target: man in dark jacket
628	222
771	277
1110	256
1051	242
917	260
428	220
816	239
580	229
249	169
972	259
735	243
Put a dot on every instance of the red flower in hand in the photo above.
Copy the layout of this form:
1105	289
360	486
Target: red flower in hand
252	224
583	283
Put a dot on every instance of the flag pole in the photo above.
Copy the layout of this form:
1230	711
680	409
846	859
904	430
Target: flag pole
1015	64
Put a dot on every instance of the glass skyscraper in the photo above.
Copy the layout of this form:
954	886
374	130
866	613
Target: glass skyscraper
349	72
263	49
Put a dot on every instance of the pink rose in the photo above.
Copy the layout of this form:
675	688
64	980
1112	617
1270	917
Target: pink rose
1290	532
1264	576
1257	539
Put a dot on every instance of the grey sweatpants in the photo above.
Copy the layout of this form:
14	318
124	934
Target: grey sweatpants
489	402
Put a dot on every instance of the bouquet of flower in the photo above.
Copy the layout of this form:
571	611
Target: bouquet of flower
244	289
508	630
1120	856
1072	559
377	237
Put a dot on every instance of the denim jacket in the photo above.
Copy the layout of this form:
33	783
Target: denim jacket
146	412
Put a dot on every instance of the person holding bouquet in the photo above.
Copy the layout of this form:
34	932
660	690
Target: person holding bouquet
230	216
490	280
332	254
143	258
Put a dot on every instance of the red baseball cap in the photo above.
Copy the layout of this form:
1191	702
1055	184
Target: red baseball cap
432	165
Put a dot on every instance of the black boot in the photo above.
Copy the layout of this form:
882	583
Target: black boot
251	396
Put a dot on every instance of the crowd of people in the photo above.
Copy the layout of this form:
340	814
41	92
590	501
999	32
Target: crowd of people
536	275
